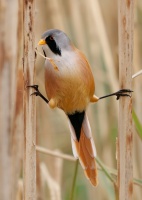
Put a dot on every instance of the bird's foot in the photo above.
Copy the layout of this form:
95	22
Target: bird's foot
118	94
37	92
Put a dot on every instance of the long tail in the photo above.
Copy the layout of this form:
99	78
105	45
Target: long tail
84	149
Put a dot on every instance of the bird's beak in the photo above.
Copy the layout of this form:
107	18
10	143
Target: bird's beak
41	42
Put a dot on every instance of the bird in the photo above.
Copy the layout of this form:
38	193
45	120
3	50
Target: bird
70	86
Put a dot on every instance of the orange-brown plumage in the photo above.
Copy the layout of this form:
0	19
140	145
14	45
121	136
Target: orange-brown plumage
86	157
71	88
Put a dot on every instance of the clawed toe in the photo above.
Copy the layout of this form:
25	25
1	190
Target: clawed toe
37	92
118	94
33	86
123	92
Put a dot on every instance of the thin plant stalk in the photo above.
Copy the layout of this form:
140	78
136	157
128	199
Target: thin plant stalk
29	103
74	180
109	172
125	136
10	111
137	74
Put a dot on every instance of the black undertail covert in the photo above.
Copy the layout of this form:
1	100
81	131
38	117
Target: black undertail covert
76	120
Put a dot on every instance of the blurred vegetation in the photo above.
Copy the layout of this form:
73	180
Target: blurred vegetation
95	32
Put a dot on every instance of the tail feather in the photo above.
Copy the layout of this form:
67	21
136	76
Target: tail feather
84	149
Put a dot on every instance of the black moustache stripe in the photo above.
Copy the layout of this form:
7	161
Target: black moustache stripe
53	46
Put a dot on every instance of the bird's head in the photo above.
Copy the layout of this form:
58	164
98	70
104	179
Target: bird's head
55	42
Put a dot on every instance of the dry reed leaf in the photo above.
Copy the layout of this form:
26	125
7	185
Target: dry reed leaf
97	17
19	195
137	74
53	185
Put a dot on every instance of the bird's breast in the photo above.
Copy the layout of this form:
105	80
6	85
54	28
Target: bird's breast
71	86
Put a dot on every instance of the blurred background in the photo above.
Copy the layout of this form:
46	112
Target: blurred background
92	26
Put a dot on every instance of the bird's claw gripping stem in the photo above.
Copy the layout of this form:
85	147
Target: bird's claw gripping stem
119	93
37	92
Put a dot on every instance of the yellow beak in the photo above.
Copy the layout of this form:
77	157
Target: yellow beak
41	42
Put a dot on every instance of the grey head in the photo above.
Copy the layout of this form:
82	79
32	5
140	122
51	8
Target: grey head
56	41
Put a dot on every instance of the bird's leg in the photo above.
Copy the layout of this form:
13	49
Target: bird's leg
118	94
37	92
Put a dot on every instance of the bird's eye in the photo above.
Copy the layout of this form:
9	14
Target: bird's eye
51	38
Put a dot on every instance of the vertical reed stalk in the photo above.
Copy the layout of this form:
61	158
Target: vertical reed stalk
29	103
125	138
10	110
